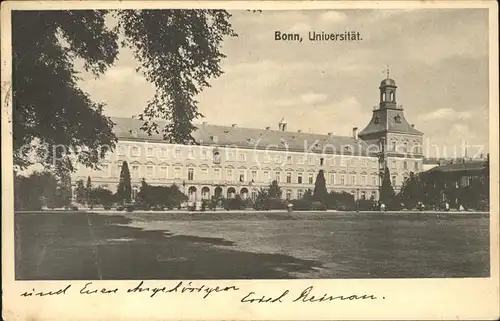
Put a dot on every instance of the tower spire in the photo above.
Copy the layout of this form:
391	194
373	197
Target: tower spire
387	71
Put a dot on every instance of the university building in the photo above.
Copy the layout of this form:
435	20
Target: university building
230	160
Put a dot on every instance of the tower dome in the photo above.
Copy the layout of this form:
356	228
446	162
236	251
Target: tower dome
388	82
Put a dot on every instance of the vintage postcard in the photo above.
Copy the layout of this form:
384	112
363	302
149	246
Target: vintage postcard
250	160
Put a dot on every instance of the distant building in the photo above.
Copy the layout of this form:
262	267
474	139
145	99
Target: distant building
458	173
229	160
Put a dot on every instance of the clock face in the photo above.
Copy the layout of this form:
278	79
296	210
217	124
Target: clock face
397	119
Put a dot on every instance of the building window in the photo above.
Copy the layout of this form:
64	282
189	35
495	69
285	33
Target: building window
256	158
343	162
190	174
229	174
134	192
393	165
288	195
364	163
363	180
135	151
149	171
163	172
150	152
289	160
267	178
204	154
353	179
394	181
277	159
120	151
299	178
374	180
374	164
135	171
288	177
405	165
190	153
332	178
177	153
217	174
300	160
394	146
405	147
254	195
277	176
164	153
105	170
267	158
342	179
416	166
177	173
300	193
203	174
118	170
321	161
230	156
242	176
311	178
311	160
353	162
241	157
254	176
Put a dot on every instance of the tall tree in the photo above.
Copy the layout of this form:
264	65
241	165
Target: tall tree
80	192
274	190
177	50
88	190
387	195
142	195
124	189
410	193
320	192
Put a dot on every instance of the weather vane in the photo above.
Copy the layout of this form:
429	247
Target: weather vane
387	70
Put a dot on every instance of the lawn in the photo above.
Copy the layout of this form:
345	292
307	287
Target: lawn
56	246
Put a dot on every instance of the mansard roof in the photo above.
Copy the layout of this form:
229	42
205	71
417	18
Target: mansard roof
215	135
385	120
460	166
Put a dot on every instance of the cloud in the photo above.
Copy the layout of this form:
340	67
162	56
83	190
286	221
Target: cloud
446	114
301	27
333	17
313	98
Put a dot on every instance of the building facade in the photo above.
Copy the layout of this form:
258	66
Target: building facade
230	160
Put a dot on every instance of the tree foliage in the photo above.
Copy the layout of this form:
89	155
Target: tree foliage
387	194
80	192
48	106
38	190
274	190
124	190
177	50
320	193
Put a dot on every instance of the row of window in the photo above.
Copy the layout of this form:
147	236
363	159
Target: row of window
240	175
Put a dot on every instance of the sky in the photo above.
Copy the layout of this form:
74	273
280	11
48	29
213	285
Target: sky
438	58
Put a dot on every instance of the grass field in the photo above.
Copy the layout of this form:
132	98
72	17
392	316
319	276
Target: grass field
255	246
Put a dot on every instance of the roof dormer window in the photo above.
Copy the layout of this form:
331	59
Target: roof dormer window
133	133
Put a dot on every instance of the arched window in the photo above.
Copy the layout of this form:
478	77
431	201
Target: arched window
392	96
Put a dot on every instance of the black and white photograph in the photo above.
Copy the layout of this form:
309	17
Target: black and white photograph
250	144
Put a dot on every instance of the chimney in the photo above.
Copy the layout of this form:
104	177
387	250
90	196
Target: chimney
355	133
233	125
330	134
299	131
412	125
204	123
267	128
